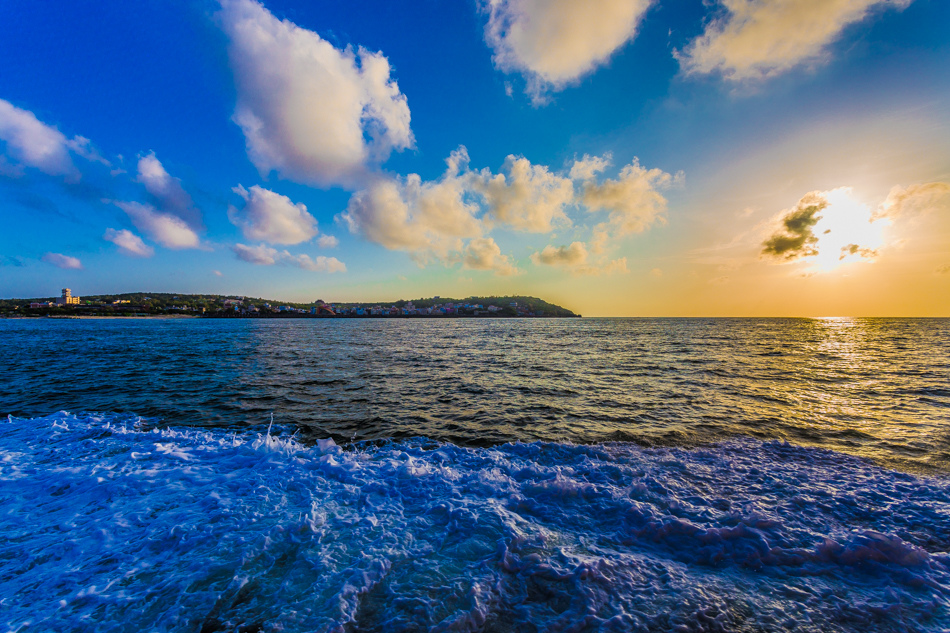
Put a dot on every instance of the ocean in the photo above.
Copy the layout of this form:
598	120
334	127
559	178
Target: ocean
475	475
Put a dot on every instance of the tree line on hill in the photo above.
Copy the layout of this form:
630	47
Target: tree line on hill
172	303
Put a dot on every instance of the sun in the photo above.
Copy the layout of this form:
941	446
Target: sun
847	231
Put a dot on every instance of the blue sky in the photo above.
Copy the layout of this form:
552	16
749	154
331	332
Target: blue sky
634	160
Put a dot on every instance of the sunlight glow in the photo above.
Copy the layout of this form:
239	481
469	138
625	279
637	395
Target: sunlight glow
846	231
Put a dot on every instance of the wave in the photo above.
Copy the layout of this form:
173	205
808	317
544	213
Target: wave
111	525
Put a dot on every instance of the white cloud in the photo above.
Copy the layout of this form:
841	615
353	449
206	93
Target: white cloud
168	230
525	197
271	217
310	111
320	263
433	220
424	218
575	259
328	241
129	243
62	261
82	146
218	273
633	202
264	255
482	253
166	191
31	142
573	255
914	199
757	39
555	42
589	166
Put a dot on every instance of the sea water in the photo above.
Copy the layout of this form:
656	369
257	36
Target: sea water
563	475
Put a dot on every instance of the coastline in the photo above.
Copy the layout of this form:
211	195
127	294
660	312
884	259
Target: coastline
90	316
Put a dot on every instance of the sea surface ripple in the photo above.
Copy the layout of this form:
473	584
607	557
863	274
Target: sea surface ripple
877	388
364	476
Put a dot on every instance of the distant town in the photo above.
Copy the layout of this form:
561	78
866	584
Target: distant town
235	306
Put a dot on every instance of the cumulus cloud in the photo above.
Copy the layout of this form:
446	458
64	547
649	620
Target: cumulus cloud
166	192
32	143
757	39
310	111
555	42
424	218
575	259
482	253
633	202
573	255
320	263
432	220
797	237
328	241
62	261
523	196
264	255
168	230
589	166
914	199
271	217
129	243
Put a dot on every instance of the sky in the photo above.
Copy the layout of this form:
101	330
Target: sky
616	157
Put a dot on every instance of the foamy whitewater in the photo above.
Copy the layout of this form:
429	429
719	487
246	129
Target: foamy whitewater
111	526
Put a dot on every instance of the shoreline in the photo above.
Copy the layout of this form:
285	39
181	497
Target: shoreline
97	316
281	316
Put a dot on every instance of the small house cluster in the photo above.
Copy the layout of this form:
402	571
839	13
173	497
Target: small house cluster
240	306
407	309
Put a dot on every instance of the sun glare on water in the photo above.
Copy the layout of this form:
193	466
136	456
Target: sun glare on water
847	231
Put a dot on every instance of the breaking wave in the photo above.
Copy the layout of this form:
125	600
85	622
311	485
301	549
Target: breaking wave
111	526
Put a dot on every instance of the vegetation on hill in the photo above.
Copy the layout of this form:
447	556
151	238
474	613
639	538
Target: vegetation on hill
533	304
170	303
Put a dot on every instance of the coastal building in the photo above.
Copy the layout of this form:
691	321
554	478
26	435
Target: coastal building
68	298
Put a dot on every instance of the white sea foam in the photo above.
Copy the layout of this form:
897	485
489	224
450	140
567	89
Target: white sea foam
109	527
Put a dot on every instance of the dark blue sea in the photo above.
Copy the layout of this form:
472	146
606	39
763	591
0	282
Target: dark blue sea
378	475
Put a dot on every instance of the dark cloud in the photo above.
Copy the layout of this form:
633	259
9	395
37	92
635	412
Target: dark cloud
797	239
854	249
